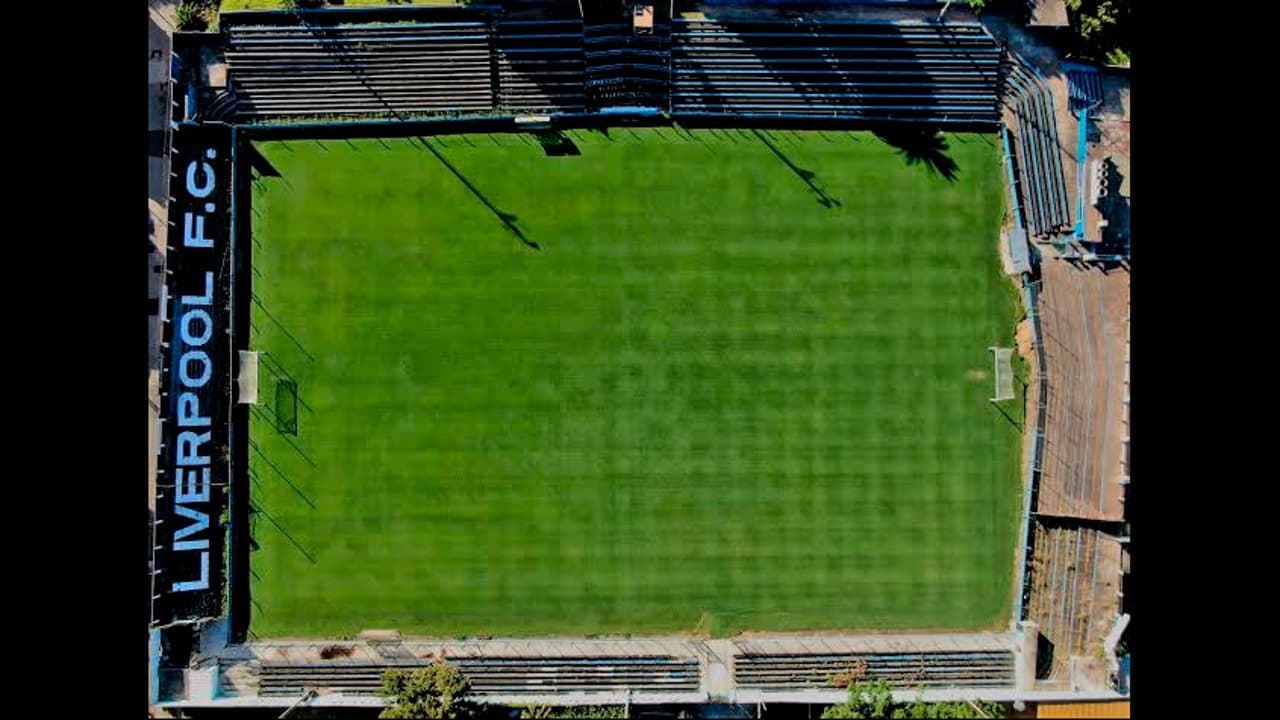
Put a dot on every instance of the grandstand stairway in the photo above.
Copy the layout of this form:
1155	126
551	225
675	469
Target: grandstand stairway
623	67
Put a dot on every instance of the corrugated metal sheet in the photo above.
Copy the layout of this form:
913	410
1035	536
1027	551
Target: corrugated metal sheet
1083	710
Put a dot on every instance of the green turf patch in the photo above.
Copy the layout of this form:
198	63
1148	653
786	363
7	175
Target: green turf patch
661	380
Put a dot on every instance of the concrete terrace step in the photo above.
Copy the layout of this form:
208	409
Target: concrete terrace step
495	675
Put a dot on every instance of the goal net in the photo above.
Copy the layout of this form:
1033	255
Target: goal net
1004	373
247	378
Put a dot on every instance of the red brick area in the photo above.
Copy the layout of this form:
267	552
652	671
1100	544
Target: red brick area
1083	315
1075	591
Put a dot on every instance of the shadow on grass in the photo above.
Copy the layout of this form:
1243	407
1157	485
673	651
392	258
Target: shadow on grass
556	144
808	176
266	416
921	146
260	165
1007	416
258	301
292	540
509	220
284	477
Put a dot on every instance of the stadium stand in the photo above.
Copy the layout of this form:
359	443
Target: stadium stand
921	71
540	65
1039	153
906	670
371	69
495	675
782	663
1074	591
1082	315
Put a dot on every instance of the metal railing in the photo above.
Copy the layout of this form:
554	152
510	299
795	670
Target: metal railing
1031	302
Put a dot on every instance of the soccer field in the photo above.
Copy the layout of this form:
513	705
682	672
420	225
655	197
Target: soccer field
740	383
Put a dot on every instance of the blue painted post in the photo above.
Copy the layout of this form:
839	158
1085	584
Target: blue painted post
1013	188
154	665
1082	169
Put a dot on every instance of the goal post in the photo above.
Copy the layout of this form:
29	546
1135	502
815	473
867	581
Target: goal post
1003	358
247	378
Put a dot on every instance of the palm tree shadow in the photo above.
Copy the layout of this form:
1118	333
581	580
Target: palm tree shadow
921	146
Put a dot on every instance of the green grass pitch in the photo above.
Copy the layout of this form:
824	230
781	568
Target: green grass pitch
707	400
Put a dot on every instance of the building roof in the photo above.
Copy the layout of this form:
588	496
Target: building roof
1119	709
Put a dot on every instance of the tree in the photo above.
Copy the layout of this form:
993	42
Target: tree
192	16
866	700
875	700
1102	26
438	690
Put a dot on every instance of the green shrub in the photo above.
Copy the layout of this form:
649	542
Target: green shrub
192	16
438	690
573	711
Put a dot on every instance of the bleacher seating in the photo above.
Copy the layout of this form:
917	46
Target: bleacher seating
395	69
867	70
496	675
1084	85
1038	152
540	65
939	72
904	670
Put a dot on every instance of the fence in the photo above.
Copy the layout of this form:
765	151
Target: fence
1031	303
1013	178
